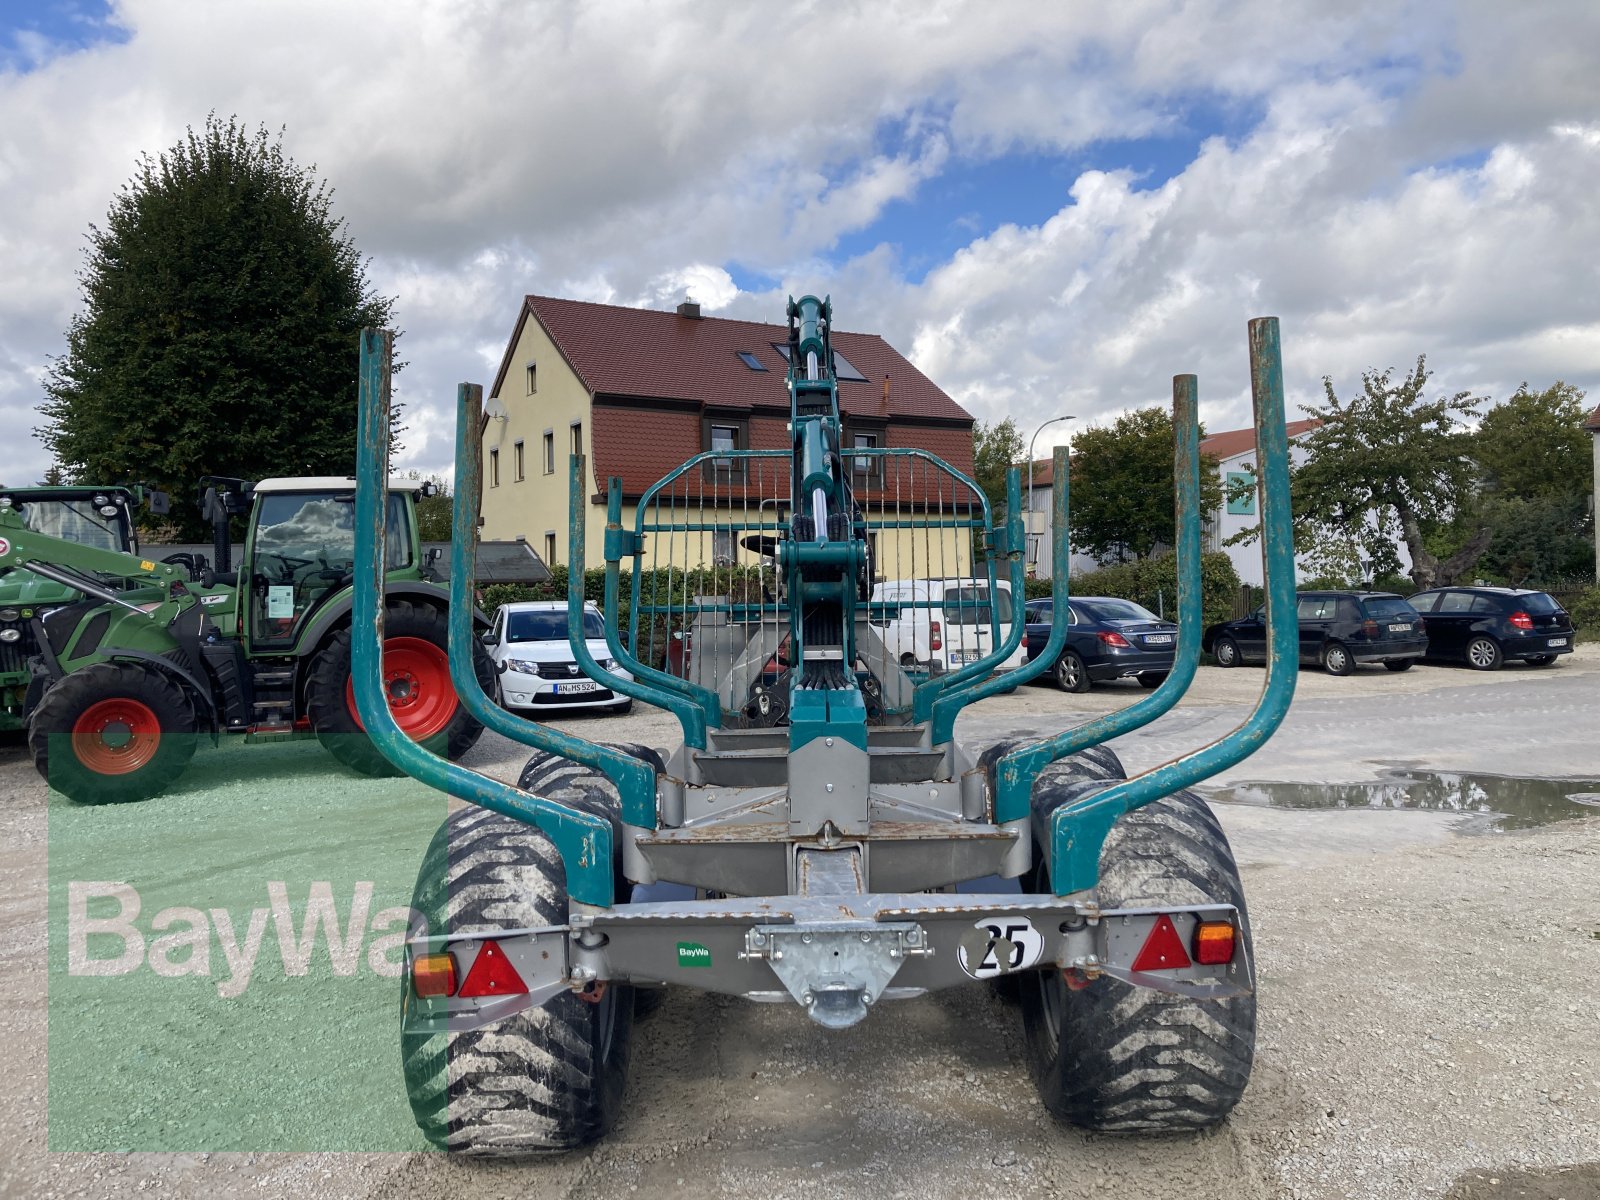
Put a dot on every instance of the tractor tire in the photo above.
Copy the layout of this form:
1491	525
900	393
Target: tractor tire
123	731
416	669
548	1079
1113	1056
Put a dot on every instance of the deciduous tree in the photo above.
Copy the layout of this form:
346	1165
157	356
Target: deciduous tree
222	301
1123	494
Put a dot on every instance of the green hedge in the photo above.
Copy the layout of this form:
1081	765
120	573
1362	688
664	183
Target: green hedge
1585	610
1153	582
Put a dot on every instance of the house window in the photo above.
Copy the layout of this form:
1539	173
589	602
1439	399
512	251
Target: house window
1241	492
722	435
577	437
750	360
494	466
722	547
549	451
841	365
549	547
533	378
865	468
517	461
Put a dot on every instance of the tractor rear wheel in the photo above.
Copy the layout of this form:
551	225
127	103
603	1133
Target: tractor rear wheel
547	1079
416	678
121	731
1113	1056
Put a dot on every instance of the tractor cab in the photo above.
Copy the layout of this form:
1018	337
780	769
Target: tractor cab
301	551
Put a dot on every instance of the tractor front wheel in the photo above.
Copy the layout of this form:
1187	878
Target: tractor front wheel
112	732
549	1078
1114	1056
416	679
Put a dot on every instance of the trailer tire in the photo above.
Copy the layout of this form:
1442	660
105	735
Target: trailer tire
433	713
1113	1056
126	731
1092	764
547	1079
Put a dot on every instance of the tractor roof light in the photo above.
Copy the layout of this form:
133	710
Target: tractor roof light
9	614
108	510
10	635
102	498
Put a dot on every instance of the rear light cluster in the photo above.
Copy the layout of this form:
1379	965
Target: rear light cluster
1211	946
435	976
935	637
1369	627
1115	640
1522	621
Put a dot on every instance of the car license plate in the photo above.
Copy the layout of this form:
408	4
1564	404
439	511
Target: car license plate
1556	642
1158	639
964	656
1399	629
573	689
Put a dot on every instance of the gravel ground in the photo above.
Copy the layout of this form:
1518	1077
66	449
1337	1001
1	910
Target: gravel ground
1428	1001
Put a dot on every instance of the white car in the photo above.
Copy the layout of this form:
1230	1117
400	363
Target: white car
528	643
944	624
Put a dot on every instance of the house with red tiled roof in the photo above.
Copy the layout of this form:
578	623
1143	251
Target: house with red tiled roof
642	391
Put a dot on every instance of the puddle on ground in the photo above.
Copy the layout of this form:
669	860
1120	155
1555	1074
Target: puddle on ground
1506	803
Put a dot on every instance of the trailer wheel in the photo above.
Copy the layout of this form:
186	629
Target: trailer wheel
556	778
122	731
547	1079
416	673
1117	1057
1095	763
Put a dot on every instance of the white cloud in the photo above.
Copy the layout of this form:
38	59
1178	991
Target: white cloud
1397	179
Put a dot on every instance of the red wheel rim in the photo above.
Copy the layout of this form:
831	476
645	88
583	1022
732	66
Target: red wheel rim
416	678
116	737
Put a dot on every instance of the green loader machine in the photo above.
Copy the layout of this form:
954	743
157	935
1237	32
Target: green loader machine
124	663
820	837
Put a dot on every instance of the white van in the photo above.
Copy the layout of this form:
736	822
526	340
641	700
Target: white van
945	624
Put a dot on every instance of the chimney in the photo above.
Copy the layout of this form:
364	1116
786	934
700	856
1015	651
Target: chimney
886	392
689	309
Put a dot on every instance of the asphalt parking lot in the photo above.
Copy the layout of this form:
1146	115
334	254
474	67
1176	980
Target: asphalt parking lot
1427	979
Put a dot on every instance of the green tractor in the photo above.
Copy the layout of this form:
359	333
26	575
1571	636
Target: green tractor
124	680
89	516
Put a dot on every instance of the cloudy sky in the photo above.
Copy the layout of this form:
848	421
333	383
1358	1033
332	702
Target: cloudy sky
1050	207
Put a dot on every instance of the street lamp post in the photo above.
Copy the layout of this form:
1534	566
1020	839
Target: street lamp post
1031	441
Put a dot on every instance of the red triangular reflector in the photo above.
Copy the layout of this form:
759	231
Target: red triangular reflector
1163	949
493	975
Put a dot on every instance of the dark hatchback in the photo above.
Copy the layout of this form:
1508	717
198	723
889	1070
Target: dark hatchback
1337	631
1484	626
1107	639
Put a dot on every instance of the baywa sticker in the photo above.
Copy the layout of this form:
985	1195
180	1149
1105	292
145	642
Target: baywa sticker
693	954
220	598
999	945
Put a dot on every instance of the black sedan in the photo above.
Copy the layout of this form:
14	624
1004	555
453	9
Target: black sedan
1107	639
1337	631
1484	626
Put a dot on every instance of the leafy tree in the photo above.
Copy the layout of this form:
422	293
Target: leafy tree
1533	447
222	302
1533	494
995	448
1386	466
435	512
1123	495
